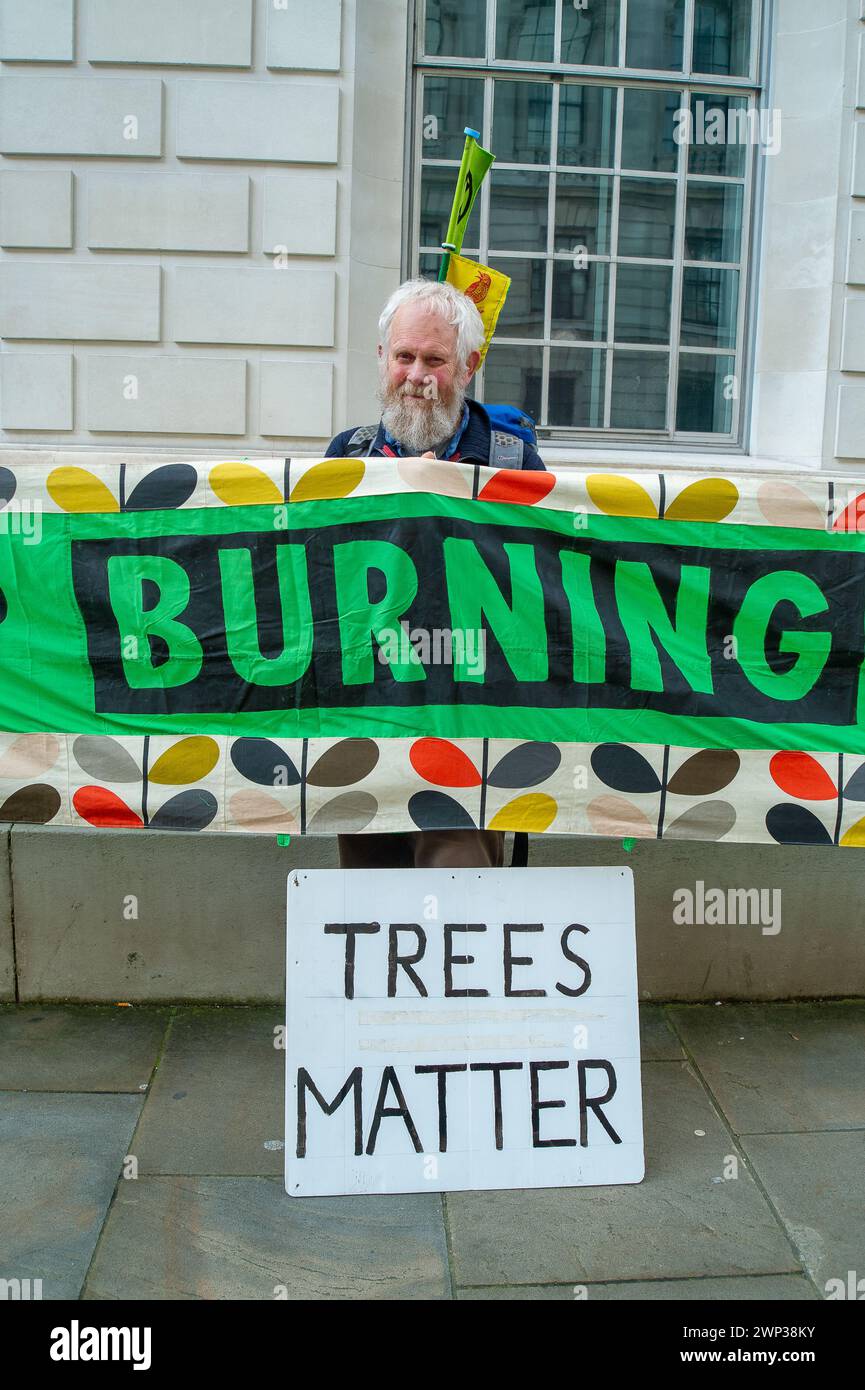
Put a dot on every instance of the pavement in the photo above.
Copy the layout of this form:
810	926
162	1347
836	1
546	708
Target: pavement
141	1158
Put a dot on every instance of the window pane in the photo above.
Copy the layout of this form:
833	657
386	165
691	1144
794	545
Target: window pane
647	217
710	300
521	122
583	209
428	266
604	323
655	29
449	105
512	376
704	382
722	37
525	30
720	132
577	388
639	394
643	303
518	210
591	35
456	28
437	189
587	125
580	301
713	222
649	128
523	312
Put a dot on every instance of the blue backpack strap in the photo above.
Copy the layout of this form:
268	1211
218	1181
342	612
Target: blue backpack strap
506	450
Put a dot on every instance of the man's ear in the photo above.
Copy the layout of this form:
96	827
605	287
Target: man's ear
474	361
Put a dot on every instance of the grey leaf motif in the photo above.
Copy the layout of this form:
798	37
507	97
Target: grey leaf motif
347	814
105	759
710	820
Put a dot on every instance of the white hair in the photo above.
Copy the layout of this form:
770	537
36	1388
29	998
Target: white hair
439	298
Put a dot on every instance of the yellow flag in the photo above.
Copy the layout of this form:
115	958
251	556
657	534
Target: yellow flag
487	289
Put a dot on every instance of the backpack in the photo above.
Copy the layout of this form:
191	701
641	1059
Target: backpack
513	421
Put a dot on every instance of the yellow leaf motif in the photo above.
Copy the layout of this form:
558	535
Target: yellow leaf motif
77	490
243	485
855	835
187	761
533	811
619	496
710	499
332	478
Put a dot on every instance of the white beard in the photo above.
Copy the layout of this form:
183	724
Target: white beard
419	424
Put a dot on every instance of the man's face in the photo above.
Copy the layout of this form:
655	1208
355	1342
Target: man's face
423	384
423	354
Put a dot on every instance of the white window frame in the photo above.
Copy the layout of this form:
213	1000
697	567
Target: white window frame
686	83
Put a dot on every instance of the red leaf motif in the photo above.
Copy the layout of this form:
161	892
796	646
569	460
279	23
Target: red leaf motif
101	807
442	763
853	517
515	485
800	775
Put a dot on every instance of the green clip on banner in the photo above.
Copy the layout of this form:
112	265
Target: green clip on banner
309	646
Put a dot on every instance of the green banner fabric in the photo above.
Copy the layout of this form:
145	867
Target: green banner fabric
357	645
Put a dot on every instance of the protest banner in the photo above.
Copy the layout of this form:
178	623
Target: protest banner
461	1029
312	646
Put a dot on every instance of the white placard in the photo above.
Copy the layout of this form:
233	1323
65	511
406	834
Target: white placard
452	1029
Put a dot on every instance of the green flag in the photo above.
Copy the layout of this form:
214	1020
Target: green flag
475	163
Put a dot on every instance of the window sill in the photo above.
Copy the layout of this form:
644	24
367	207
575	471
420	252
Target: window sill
665	460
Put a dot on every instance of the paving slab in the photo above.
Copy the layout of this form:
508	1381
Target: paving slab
60	1159
767	1288
683	1219
817	1184
244	1238
781	1067
82	1049
217	1098
658	1041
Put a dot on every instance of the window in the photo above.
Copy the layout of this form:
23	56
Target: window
626	244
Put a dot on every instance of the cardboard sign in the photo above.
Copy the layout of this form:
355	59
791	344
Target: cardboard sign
461	1029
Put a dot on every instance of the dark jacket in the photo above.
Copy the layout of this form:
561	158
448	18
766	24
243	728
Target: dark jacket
474	445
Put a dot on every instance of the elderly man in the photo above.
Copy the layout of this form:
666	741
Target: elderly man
430	336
